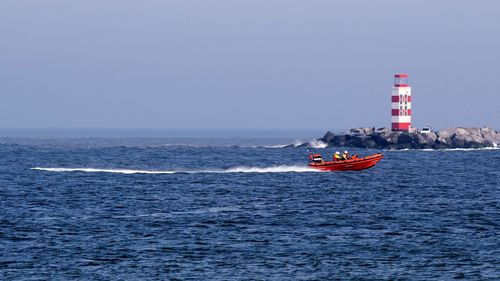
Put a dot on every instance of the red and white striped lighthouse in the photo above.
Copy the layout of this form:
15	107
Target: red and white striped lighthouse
401	104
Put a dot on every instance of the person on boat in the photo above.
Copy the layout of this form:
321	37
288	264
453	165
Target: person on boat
336	156
317	158
345	155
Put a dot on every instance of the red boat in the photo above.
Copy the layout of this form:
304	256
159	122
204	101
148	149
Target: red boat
353	164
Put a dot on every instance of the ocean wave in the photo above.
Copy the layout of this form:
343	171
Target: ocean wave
271	146
240	169
299	143
296	143
317	144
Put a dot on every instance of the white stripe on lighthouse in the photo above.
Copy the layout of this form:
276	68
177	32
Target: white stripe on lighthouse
401	119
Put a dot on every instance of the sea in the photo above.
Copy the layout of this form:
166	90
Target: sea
239	205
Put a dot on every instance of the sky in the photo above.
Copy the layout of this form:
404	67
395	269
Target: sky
246	64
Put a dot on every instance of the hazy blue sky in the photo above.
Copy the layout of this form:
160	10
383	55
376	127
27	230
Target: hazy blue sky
246	64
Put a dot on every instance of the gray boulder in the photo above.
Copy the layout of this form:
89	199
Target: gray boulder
496	138
426	140
458	141
338	140
489	141
328	137
382	140
431	137
362	141
460	131
356	131
406	140
392	137
383	130
446	133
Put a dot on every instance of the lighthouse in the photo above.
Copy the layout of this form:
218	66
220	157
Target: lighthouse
401	104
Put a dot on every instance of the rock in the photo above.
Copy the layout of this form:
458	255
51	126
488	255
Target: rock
458	141
362	131
444	137
490	134
485	129
328	137
446	133
356	131
497	138
476	141
405	141
383	130
477	138
489	141
338	140
474	131
426	140
442	142
382	140
404	138
362	141
431	137
460	131
392	137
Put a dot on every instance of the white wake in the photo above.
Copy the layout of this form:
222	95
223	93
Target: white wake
96	170
273	169
242	169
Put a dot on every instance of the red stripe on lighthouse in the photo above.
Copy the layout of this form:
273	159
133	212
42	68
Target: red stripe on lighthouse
400	126
395	98
395	112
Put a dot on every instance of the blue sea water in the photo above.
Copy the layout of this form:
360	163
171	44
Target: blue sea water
222	207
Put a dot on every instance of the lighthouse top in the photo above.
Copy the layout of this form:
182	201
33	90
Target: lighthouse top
401	80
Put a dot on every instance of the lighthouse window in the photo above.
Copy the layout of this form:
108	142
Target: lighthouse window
406	107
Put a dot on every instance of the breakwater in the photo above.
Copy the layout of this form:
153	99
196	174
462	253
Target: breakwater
384	138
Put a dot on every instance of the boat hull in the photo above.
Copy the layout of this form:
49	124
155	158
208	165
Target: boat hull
356	164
